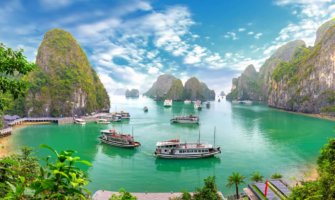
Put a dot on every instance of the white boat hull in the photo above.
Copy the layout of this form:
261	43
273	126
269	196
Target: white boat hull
187	156
184	122
118	144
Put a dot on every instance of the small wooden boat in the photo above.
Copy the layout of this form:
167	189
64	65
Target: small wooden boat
79	121
113	138
187	101
168	103
102	121
197	105
190	119
116	118
145	109
125	115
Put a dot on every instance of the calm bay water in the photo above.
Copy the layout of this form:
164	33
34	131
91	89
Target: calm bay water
252	138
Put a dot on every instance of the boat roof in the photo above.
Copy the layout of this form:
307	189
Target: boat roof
79	120
118	135
184	145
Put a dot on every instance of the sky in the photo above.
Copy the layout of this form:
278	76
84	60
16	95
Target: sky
131	42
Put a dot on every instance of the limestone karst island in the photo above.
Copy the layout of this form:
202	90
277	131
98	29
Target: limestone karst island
167	100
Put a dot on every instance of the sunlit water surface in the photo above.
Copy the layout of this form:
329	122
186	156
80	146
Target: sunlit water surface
252	138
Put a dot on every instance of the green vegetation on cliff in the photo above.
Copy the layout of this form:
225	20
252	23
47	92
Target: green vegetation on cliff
13	65
176	91
64	84
169	87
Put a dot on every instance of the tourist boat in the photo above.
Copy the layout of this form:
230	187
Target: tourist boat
197	105
174	149
116	118
145	109
187	101
113	138
168	103
102	121
190	119
125	115
79	121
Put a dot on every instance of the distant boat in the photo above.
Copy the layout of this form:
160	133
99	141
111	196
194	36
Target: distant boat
102	121
187	101
168	103
125	115
79	121
145	109
113	138
197	105
174	149
219	100
190	119
116	118
208	104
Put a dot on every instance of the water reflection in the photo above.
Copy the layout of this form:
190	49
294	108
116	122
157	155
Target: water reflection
184	164
112	151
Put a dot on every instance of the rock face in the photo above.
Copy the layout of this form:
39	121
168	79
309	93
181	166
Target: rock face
255	86
133	93
161	87
176	91
169	87
195	90
246	87
64	84
307	83
298	78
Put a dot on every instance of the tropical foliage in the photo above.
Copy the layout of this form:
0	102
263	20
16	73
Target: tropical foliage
324	187
124	195
22	177
235	179
257	177
13	65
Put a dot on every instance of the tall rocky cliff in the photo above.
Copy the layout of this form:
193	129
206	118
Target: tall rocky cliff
307	83
246	86
255	86
169	87
64	84
296	77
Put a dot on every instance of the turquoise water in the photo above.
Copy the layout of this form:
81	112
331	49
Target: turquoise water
252	138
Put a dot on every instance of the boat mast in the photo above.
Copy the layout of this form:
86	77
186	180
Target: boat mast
214	135
199	137
132	131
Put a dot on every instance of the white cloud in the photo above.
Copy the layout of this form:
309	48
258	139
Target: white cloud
241	29
258	35
311	14
250	33
231	35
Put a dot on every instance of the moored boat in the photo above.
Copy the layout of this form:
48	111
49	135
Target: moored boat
125	115
102	121
197	105
190	119
113	138
79	121
187	101
168	103
174	149
116	118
